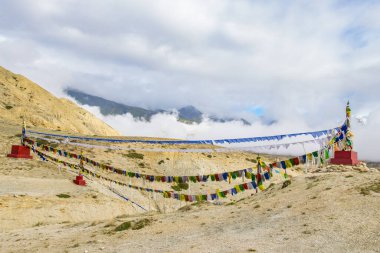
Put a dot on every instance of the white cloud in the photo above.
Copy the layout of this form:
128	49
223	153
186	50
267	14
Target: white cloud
300	61
367	137
366	141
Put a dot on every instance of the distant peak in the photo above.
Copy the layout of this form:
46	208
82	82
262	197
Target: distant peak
189	107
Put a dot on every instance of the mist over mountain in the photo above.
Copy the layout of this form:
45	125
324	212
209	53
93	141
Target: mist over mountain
188	114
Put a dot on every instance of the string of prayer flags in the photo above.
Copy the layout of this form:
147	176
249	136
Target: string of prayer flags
165	179
166	194
182	179
315	134
211	196
89	172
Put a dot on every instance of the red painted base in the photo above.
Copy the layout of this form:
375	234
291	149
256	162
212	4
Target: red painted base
20	152
345	158
80	181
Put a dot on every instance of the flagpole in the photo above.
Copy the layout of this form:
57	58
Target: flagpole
23	131
348	144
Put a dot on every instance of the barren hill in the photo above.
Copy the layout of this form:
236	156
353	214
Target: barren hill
20	97
333	209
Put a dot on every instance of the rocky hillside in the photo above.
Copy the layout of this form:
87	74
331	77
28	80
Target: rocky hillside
20	97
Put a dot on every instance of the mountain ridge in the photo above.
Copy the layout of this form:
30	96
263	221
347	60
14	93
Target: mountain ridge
187	114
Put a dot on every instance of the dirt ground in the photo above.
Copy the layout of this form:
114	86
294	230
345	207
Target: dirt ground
331	209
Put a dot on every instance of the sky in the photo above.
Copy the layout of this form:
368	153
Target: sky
297	62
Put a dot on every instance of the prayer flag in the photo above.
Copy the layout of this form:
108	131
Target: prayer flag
327	154
225	176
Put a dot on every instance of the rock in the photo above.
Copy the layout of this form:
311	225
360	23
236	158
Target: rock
286	184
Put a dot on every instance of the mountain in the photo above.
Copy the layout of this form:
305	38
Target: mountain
188	114
245	122
108	107
20	97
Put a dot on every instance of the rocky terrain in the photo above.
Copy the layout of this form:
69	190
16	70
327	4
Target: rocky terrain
21	98
328	209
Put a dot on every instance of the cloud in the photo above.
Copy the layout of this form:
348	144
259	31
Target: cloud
367	138
167	126
298	61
